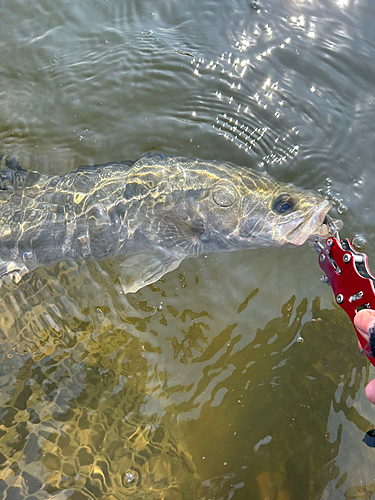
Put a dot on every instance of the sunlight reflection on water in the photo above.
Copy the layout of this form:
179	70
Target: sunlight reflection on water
195	387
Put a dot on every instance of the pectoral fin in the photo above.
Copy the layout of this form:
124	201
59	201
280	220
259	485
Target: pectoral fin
181	235
143	268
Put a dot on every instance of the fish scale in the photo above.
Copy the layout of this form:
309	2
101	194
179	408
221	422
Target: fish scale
152	213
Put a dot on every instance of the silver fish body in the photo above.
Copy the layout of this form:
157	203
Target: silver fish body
153	213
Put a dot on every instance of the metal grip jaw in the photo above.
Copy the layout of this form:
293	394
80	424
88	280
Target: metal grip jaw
351	280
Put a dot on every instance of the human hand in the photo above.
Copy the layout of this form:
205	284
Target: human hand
364	321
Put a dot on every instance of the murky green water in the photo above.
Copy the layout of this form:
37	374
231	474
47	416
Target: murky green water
196	387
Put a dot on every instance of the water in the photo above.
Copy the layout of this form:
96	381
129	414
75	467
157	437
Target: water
198	387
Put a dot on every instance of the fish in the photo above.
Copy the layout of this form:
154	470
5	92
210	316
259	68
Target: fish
152	214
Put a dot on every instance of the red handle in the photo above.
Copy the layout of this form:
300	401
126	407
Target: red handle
351	280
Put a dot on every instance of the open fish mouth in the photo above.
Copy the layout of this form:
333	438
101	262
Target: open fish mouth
317	225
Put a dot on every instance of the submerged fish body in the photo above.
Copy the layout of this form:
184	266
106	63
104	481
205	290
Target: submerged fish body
153	213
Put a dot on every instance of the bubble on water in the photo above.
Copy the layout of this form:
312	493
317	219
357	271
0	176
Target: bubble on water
130	478
328	181
337	202
55	60
359	242
342	209
256	5
182	280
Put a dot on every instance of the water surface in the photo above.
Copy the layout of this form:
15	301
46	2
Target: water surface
197	387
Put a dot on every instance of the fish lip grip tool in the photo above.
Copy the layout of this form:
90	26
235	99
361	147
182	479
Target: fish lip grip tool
351	280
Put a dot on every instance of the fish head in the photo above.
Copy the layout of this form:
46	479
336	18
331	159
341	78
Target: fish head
209	206
283	215
251	210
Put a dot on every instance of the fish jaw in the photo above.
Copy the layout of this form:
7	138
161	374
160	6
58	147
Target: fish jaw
311	226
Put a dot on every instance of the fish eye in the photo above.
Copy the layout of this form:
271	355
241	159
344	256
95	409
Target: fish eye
283	204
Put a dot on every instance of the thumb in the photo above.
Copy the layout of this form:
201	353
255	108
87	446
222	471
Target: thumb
364	320
370	391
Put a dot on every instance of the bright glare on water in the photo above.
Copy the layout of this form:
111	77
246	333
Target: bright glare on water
235	376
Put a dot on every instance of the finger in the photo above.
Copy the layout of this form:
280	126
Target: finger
363	321
370	391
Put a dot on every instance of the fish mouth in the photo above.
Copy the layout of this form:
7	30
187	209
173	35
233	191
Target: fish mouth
317	225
